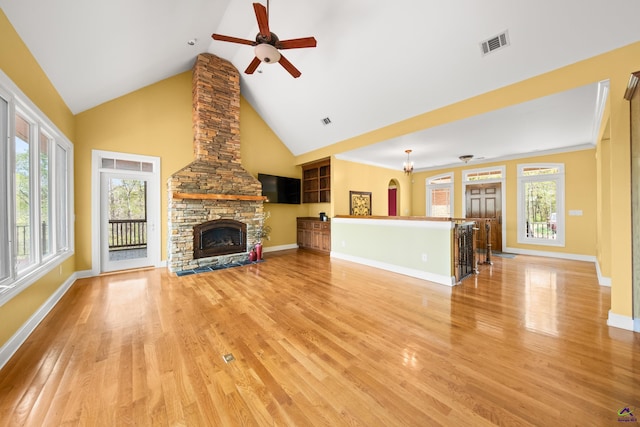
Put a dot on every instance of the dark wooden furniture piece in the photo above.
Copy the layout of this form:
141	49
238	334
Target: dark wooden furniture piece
316	182
314	234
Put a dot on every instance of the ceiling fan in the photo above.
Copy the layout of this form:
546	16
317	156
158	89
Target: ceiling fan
267	44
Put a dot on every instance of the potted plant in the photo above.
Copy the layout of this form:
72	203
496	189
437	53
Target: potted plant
262	233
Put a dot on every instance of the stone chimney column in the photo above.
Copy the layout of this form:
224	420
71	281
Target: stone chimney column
216	110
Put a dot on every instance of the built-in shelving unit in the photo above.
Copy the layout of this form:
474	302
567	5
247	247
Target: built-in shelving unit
316	182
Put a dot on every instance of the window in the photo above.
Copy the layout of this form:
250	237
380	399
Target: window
440	196
5	256
483	174
23	198
541	204
45	191
62	202
35	194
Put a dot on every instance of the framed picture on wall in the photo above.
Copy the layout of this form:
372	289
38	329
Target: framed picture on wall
360	203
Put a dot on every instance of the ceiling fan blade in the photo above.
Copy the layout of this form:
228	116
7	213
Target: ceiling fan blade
297	43
289	67
232	39
263	20
252	67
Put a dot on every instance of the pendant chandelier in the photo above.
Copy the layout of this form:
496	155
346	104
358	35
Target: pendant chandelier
408	164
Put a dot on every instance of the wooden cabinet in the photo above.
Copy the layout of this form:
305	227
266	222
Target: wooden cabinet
316	182
314	234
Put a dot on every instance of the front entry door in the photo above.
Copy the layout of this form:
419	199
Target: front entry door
485	201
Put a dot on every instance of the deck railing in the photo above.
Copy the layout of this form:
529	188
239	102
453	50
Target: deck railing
23	237
541	230
127	233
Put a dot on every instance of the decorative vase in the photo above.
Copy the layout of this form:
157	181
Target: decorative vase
258	251
252	255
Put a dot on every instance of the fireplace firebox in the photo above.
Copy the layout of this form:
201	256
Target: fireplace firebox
219	237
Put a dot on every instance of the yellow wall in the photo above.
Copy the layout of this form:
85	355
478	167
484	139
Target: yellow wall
580	194
615	66
263	152
17	62
19	65
152	121
603	191
349	176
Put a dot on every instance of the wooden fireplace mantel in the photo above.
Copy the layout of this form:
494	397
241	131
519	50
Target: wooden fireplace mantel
207	196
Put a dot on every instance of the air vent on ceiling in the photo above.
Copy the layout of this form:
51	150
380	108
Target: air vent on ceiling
326	121
495	43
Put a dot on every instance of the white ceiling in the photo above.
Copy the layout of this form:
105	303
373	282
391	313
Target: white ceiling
376	63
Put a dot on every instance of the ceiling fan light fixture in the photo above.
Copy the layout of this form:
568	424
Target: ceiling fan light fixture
267	53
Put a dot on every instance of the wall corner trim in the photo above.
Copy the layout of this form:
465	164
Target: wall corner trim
620	321
602	280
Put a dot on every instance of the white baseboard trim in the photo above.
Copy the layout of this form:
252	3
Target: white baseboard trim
280	248
603	281
561	255
622	322
636	325
442	280
14	343
83	274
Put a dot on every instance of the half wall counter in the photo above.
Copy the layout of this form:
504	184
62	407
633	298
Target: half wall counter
414	246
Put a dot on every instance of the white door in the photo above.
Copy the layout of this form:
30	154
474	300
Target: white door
125	199
126	231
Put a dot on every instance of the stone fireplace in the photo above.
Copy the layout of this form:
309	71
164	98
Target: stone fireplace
215	206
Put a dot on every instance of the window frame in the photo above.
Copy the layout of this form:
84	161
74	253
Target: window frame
51	181
5	184
60	191
430	186
559	179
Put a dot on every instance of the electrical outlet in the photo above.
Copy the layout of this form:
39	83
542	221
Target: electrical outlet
424	257
344	243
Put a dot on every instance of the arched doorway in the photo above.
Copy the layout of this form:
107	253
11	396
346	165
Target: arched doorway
393	198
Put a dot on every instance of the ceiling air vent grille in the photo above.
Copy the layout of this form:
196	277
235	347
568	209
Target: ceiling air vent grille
495	43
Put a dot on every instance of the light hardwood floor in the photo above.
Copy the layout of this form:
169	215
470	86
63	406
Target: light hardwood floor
327	342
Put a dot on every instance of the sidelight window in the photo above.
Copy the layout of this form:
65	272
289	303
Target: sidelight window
440	196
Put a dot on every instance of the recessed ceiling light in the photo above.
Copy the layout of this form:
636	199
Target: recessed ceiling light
192	42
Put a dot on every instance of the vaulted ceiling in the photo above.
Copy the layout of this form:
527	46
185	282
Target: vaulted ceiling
376	63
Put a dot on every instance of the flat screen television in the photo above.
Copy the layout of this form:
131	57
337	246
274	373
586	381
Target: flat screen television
280	189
